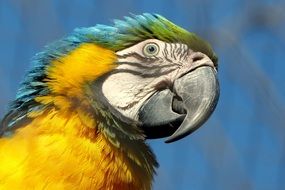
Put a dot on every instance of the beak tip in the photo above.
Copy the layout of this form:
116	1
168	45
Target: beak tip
180	134
169	140
199	109
175	137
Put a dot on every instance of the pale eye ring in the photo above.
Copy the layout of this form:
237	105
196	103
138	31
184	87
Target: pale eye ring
150	49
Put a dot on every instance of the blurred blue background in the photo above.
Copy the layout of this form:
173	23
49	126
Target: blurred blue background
242	145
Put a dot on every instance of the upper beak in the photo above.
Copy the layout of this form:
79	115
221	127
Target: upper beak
178	112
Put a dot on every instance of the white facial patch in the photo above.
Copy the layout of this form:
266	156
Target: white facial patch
126	92
141	72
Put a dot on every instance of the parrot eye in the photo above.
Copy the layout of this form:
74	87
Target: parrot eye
150	49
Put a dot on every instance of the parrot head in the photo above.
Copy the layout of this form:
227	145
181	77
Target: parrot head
144	73
165	79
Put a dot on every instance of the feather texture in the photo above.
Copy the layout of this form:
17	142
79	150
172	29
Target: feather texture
71	141
59	135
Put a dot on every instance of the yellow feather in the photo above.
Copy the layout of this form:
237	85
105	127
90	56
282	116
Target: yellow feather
86	63
61	148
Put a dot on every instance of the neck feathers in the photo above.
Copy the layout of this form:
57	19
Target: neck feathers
61	101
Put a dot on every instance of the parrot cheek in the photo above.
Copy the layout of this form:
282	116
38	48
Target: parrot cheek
178	112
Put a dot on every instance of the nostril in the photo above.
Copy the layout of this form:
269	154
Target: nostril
197	58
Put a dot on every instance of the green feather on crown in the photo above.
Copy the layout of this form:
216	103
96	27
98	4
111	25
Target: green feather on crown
125	33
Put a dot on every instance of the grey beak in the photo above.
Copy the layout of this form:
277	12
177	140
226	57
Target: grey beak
198	91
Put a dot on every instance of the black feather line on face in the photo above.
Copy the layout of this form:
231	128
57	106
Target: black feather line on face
155	73
97	94
122	132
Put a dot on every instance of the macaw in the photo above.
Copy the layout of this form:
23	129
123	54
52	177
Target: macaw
83	112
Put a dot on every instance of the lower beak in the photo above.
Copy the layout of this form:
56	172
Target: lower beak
177	113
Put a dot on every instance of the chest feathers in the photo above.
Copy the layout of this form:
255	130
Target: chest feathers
63	146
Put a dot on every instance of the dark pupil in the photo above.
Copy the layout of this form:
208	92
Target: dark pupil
151	49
